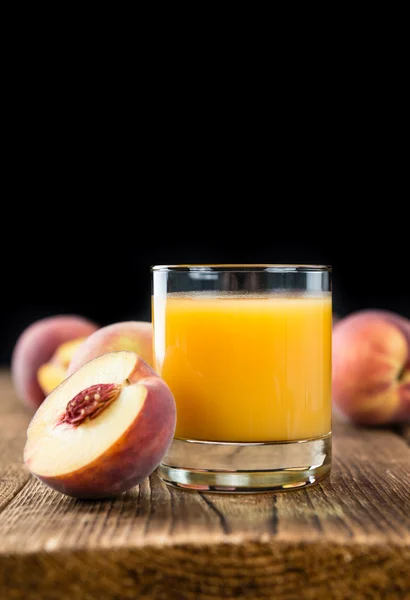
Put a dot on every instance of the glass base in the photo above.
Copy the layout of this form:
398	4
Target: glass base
237	467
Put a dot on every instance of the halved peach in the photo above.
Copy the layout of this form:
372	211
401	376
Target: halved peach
50	374
103	429
41	343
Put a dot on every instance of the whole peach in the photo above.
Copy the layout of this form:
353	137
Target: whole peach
36	345
371	367
135	336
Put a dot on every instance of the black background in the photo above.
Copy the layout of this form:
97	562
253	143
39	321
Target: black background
101	269
102	181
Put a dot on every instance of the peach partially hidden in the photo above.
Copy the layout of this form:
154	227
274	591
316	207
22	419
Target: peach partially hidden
103	429
36	346
135	336
371	367
52	373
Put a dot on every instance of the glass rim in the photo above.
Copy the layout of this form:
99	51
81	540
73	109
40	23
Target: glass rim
267	268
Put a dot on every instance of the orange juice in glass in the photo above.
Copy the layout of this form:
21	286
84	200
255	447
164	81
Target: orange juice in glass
246	351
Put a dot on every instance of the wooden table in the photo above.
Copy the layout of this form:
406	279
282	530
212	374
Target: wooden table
346	538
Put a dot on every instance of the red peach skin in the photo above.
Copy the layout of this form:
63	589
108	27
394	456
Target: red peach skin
134	336
136	454
371	367
36	345
117	450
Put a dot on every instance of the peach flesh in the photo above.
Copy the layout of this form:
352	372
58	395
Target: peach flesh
52	373
35	347
66	351
107	455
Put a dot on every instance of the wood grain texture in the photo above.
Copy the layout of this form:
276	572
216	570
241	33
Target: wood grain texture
14	420
404	430
346	538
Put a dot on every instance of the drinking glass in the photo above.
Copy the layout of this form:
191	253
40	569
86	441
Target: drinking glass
246	352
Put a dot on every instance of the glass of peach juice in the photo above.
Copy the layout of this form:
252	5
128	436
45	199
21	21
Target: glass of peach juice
246	352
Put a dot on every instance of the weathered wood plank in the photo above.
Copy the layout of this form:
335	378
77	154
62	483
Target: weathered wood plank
366	499
256	570
348	537
14	420
404	430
